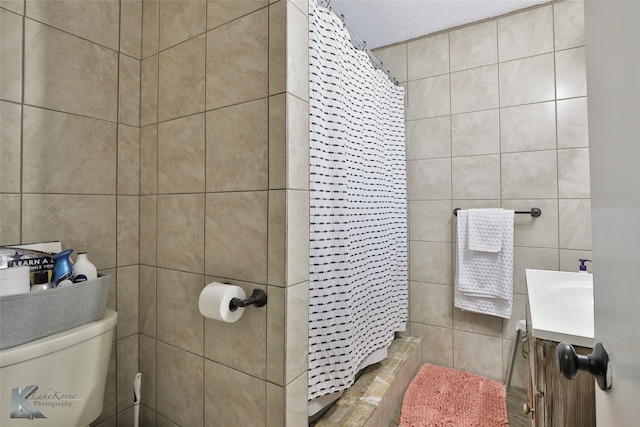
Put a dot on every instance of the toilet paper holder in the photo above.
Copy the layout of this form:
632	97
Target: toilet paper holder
257	298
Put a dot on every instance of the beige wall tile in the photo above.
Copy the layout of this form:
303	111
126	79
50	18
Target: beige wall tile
150	27
128	160
575	224
573	128
429	179
297	52
163	422
475	133
80	221
278	141
526	257
109	401
477	323
568	24
540	232
149	91
428	97
181	232
147	355
430	220
530	175
181	155
474	89
148	302
16	6
180	323
148	235
237	147
220	12
571	73
97	21
276	406
230	396
129	86
428	57
431	304
11	52
180	373
148	417
428	138
276	335
128	246
127	367
10	143
131	28
66	73
394	60
236	236
127	301
437	343
297	331
466	356
527	80
149	159
528	127
181	74
431	262
277	47
94	170
10	224
238	52
181	20
573	173
277	237
297	143
296	402
525	34
475	177
474	46
297	260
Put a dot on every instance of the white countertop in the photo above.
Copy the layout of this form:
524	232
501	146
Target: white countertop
561	306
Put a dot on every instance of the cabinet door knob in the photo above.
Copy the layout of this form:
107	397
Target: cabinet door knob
596	363
526	409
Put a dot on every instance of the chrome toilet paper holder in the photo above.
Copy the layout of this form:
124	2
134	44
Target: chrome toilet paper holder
257	298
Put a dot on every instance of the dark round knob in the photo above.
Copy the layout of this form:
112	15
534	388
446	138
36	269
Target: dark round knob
567	360
596	363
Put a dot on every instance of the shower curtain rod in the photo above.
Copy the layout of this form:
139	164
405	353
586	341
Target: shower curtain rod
363	44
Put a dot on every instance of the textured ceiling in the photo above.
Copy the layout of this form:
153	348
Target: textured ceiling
384	22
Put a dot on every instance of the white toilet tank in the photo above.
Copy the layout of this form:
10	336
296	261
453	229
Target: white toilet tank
59	380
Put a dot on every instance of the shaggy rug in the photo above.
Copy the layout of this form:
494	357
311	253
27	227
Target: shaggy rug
439	397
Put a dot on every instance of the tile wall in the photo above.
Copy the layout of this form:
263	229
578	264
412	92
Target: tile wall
496	117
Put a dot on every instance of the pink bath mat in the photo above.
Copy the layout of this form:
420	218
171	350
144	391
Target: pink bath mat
439	397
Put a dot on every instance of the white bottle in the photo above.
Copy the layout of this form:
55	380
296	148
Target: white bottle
84	269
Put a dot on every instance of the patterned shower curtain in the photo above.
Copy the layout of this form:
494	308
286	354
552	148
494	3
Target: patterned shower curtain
358	231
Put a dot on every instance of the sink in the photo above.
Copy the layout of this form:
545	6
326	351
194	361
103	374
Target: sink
561	306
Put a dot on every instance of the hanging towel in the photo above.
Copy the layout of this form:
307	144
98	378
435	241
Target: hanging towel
486	229
484	280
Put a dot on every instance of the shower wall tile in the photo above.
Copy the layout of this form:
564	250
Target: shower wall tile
540	232
129	87
466	356
236	236
297	331
149	90
10	219
276	401
530	175
242	398
475	177
430	220
431	262
98	22
575	224
237	61
528	127
66	73
180	373
149	159
277	237
429	179
109	403
163	422
428	138
431	304
394	60
277	47
128	244
131	28
528	80
573	128
302	5
11	53
525	34
150	27
477	323
10	134
428	57
181	20
181	88
147	355
276	335
148	300
569	24
278	141
297	52
571	73
474	46
295	407
85	221
527	257
220	12
181	323
297	260
16	6
573	173
474	89
94	170
181	155
181	232
437	343
148	234
127	301
128	160
297	143
237	157
475	133
428	98
126	369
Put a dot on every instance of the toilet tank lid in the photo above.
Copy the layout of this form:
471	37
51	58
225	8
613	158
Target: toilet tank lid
58	341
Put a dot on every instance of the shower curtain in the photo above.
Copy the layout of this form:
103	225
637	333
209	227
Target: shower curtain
358	232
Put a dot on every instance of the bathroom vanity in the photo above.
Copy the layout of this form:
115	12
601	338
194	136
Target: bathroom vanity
559	309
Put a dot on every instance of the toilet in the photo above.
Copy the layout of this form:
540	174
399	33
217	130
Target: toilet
59	380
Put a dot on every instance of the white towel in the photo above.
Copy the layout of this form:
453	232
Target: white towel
485	228
484	280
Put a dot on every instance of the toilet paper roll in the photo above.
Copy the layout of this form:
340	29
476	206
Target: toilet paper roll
214	302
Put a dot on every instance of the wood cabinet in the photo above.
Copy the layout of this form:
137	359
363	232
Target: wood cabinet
554	400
